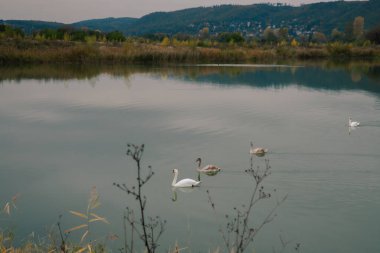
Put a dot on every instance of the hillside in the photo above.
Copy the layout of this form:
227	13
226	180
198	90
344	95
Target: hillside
28	26
252	18
106	24
248	19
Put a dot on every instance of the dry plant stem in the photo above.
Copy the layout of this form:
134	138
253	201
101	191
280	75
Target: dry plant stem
89	216
125	232
63	243
137	157
148	225
132	232
238	228
129	217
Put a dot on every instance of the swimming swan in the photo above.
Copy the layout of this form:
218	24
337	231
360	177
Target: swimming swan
210	170
187	182
353	123
257	151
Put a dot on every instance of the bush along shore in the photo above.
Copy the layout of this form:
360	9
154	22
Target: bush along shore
24	51
70	45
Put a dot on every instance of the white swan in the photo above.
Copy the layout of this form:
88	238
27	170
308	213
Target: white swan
353	123
208	169
187	182
257	151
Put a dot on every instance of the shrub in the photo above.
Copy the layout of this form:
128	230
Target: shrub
338	49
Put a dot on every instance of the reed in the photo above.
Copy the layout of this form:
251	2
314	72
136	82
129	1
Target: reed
88	217
30	51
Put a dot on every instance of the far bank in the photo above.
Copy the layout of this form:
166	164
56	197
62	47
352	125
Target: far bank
24	51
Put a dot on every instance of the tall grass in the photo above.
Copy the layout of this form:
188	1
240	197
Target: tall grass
29	51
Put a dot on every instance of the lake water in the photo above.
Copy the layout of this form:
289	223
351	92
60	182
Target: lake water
64	130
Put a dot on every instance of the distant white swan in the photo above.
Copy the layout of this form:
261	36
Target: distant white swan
257	151
208	169
187	182
353	123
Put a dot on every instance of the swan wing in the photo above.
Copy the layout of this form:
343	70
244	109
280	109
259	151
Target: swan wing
187	182
354	123
209	168
260	150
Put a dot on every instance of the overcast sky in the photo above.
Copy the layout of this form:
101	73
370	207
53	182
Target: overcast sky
69	11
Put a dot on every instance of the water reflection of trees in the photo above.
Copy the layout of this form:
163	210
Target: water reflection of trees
357	75
320	76
60	72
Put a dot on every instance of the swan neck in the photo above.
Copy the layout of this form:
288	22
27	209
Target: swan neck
175	178
199	163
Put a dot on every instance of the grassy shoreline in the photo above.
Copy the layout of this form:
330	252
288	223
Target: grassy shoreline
35	52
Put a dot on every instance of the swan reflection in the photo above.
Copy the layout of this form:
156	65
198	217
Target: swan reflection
351	128
185	190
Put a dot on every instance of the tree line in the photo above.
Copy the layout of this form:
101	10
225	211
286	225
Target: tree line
65	34
354	33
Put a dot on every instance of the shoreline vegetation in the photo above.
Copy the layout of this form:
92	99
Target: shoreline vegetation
85	46
29	51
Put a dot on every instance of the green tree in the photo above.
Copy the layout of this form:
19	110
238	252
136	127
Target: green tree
49	34
78	35
373	35
115	36
8	31
2	28
227	37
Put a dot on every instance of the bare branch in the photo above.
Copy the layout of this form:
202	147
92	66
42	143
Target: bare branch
147	225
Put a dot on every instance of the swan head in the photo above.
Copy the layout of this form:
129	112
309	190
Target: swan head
175	171
198	160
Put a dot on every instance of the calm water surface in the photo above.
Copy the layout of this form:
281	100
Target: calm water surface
64	130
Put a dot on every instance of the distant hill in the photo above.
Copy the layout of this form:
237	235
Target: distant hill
28	26
106	24
309	17
248	19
